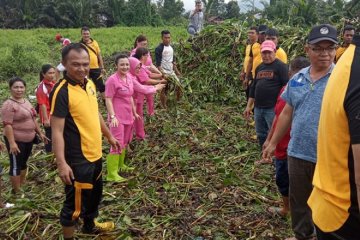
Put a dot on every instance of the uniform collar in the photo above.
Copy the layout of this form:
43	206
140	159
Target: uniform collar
74	83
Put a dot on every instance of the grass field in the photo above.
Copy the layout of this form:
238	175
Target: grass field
195	176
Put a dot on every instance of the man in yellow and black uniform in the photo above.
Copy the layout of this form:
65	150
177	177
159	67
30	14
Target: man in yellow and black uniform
348	35
77	129
96	61
252	39
335	198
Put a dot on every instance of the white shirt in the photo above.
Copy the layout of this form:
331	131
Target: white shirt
167	59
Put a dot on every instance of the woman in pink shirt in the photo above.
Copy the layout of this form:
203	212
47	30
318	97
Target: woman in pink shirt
119	90
47	82
143	77
153	72
20	127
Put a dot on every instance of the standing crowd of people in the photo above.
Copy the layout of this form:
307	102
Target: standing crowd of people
306	118
306	122
67	106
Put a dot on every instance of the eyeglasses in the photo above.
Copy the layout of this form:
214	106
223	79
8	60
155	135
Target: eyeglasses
319	50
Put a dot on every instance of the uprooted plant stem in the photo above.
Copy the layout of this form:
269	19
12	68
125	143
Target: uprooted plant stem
195	177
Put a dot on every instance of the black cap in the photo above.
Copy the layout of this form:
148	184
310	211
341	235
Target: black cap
323	32
262	28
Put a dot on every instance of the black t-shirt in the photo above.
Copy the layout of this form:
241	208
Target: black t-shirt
269	79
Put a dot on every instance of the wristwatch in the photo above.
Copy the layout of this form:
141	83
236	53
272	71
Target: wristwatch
112	116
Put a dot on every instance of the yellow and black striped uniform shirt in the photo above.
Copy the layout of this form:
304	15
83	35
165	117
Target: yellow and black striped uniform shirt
334	196
77	103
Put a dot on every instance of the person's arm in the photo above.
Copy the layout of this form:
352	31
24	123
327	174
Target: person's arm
101	62
158	56
352	109
110	109
356	154
57	134
45	115
155	75
144	89
9	134
7	114
282	126
106	132
41	134
155	70
133	107
249	107
176	70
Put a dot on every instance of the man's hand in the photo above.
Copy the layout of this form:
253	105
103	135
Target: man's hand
65	173
242	76
268	152
114	143
247	113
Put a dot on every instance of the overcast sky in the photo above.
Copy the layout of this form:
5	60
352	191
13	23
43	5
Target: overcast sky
190	4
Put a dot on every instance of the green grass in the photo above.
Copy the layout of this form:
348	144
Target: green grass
23	52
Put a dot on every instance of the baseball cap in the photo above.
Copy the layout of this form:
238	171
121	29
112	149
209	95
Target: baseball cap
58	37
268	45
323	32
262	28
66	42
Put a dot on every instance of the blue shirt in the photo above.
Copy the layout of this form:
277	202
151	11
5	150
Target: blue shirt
305	98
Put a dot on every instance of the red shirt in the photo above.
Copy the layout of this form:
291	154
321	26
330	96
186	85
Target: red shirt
42	96
281	148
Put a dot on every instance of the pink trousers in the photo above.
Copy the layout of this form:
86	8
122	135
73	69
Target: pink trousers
150	104
123	133
139	123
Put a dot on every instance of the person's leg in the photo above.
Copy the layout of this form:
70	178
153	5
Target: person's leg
127	138
15	167
260	125
300	186
96	77
150	104
269	115
48	146
139	123
163	96
282	182
91	199
26	152
66	215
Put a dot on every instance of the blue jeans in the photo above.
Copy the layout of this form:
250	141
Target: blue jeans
263	120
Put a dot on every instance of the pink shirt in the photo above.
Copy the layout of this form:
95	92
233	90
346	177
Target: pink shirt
21	117
148	61
121	93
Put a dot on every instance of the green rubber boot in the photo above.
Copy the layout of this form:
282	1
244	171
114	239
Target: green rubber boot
112	161
122	165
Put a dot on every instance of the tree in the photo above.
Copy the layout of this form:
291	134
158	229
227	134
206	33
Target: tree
171	9
232	10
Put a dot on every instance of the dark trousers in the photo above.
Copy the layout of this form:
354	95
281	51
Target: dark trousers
18	162
349	231
84	195
282	176
48	146
300	186
96	77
